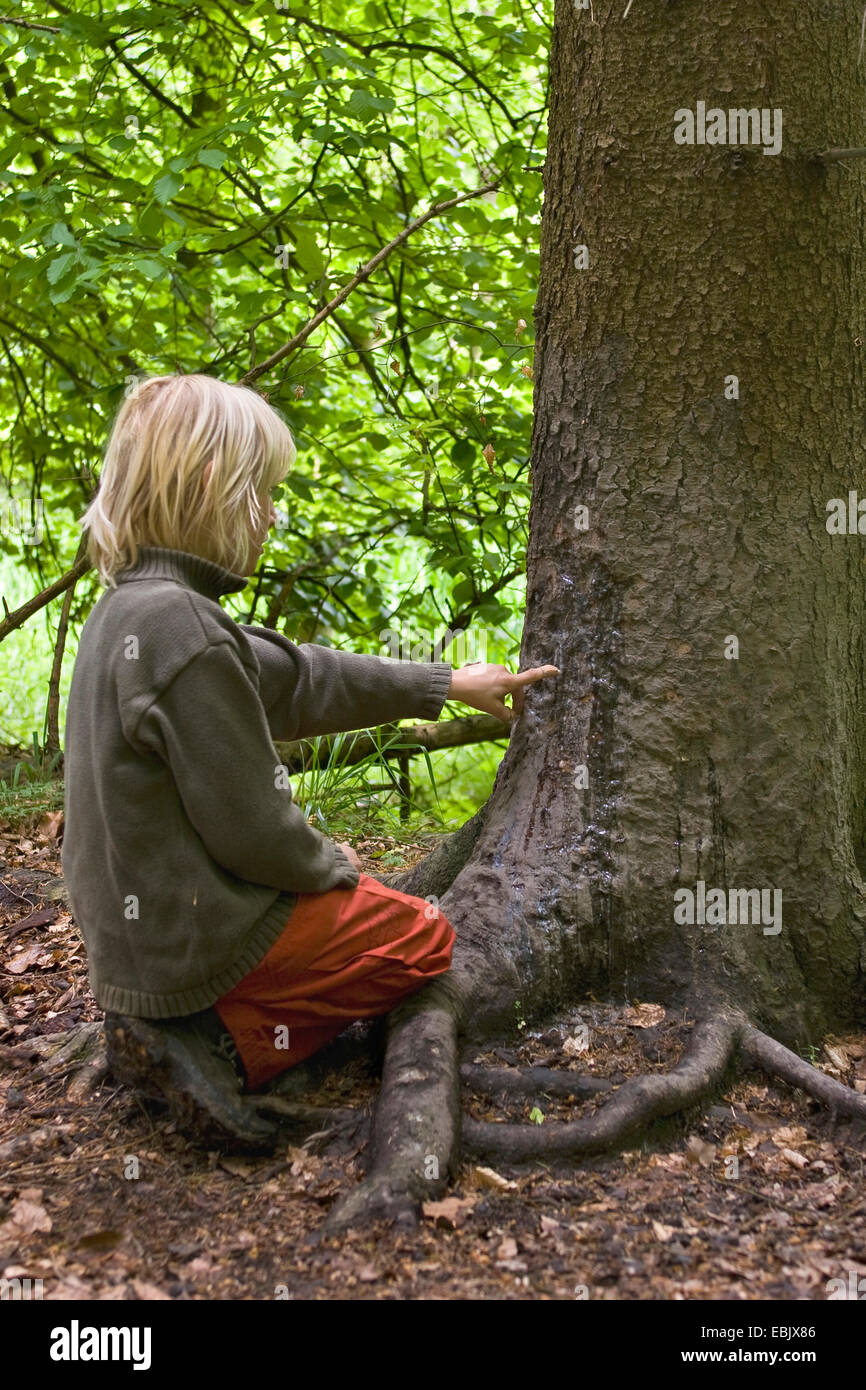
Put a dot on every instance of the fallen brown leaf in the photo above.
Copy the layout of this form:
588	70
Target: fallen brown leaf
698	1151
488	1177
643	1015
450	1211
27	1214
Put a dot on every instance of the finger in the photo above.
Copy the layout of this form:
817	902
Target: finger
536	673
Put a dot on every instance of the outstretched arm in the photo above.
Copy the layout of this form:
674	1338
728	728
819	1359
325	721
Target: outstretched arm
307	689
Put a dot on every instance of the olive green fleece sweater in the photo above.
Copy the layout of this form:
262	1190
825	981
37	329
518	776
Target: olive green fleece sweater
183	849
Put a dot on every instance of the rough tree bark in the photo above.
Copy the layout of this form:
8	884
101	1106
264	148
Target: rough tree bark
705	521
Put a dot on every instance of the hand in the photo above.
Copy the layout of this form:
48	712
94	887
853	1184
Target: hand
483	686
351	856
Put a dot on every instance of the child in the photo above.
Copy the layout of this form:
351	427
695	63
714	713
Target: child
196	881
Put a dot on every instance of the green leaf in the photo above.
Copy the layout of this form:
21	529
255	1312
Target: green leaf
60	296
366	107
61	234
59	266
463	592
152	269
300	486
213	159
308	252
167	187
463	451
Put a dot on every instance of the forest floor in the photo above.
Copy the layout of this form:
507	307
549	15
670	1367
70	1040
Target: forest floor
760	1197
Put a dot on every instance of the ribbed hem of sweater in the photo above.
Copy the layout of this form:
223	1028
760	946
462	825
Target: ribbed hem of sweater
140	1004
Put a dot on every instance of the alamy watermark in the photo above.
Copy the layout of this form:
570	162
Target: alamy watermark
22	520
77	1343
739	906
737	126
465	646
20	1290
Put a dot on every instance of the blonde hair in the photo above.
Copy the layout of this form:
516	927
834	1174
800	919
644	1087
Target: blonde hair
151	488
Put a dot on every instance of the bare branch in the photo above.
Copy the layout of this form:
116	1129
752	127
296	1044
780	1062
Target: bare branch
834	155
18	616
27	23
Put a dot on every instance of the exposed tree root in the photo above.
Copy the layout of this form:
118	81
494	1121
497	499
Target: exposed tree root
313	1120
777	1060
416	1134
55	1050
434	875
416	1128
636	1104
531	1082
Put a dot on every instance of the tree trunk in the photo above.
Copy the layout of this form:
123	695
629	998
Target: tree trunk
706	521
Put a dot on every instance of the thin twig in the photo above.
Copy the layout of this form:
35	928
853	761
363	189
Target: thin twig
829	156
52	713
361	275
5	886
27	23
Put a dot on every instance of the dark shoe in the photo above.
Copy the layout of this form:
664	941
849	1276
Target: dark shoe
188	1063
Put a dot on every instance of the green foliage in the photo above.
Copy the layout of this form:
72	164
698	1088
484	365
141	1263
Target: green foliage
184	185
353	797
32	788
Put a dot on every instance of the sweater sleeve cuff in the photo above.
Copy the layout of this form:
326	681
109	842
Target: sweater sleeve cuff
440	684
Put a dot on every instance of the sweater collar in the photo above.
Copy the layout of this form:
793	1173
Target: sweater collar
207	577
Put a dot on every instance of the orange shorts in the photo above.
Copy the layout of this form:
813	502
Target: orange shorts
346	954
